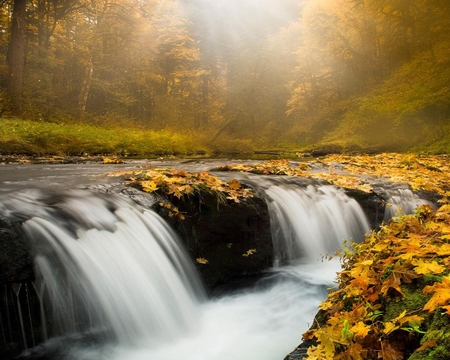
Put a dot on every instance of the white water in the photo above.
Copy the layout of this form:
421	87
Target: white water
108	266
402	201
309	223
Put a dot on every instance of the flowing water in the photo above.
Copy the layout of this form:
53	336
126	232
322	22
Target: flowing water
115	283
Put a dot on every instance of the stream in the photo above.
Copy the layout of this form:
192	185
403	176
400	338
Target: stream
113	282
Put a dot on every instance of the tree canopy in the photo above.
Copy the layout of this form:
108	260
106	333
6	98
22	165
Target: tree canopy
342	73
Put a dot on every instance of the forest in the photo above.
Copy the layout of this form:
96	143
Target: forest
336	75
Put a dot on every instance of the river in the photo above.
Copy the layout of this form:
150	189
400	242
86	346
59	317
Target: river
110	268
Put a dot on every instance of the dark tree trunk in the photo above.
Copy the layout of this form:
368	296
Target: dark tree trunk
16	56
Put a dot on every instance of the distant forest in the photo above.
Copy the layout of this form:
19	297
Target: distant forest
372	74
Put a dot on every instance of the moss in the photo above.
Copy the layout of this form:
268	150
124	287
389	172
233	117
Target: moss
412	301
438	330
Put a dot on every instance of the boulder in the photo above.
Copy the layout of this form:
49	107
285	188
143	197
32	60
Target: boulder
229	241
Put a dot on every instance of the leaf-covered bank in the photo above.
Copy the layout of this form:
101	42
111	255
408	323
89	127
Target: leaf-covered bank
393	295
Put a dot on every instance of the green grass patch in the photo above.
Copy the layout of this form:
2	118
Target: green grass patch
19	136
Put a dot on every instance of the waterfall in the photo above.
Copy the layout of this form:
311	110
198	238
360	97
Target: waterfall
310	222
402	201
109	269
106	266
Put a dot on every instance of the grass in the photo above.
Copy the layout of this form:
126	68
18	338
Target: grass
27	137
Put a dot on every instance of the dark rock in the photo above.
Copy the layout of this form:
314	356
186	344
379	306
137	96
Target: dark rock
300	352
16	264
223	234
372	204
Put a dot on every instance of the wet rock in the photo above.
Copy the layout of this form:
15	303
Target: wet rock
372	204
16	264
228	240
300	352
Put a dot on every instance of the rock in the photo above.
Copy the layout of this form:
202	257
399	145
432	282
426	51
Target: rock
372	204
16	264
229	240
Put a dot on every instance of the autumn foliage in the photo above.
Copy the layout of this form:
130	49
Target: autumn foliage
420	172
393	296
358	320
181	183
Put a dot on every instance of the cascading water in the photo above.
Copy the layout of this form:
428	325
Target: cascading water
311	222
107	267
402	201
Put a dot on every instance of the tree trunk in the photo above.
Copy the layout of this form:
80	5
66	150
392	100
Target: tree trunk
84	92
16	56
205	101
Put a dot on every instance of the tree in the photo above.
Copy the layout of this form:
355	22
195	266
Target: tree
16	56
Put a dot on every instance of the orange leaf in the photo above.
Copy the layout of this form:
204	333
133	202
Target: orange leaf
234	184
354	352
441	294
427	344
401	273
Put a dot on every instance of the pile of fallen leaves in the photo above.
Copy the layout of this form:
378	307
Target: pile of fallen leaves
288	168
392	287
421	172
179	183
271	167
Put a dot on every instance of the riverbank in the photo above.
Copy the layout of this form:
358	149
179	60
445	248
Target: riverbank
35	139
393	300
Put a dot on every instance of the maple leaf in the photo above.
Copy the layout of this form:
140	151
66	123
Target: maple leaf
360	330
427	344
187	189
353	352
425	267
234	184
388	352
181	173
175	191
443	250
249	252
441	294
399	321
149	186
364	271
202	261
401	273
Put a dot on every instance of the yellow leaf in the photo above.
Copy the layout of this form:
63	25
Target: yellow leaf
441	294
249	253
389	327
149	186
425	267
360	330
234	184
201	260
